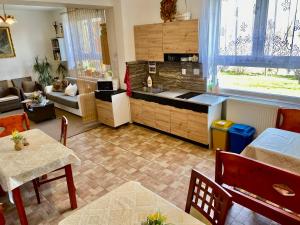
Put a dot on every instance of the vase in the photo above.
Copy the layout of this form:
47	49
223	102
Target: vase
18	145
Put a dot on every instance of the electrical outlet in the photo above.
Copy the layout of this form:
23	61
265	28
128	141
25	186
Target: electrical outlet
183	71
196	71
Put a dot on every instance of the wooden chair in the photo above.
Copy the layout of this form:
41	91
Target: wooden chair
40	181
18	122
208	198
267	190
288	119
2	220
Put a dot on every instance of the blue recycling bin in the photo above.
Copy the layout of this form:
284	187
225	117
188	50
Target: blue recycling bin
240	135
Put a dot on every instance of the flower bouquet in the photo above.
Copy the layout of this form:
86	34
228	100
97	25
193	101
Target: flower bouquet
17	138
156	219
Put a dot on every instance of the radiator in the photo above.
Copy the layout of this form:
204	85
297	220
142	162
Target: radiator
258	115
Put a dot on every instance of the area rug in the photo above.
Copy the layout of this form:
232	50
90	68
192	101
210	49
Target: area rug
52	127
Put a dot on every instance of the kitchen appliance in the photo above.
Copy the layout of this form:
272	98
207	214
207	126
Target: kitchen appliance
108	85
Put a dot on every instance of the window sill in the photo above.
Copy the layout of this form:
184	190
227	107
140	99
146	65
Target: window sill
262	98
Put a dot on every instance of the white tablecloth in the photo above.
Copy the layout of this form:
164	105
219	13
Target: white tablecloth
130	204
276	147
43	155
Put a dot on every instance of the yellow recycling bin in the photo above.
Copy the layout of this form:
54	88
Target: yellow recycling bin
220	134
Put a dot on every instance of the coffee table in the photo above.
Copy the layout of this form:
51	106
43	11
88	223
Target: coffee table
38	113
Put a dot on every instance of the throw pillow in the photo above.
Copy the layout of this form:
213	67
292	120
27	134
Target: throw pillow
71	90
3	92
28	86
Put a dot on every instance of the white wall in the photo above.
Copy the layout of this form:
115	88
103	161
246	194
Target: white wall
135	12
31	37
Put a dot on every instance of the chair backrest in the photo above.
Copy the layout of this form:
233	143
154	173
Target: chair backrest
209	198
2	220
64	130
268	182
288	119
18	122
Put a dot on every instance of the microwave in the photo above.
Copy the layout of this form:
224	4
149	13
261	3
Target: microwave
107	85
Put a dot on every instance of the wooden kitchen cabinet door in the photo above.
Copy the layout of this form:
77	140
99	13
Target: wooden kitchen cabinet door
136	110
141	42
155	40
148	42
180	37
163	118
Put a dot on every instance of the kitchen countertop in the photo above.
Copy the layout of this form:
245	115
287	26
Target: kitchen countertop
202	99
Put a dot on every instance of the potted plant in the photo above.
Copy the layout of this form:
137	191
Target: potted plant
43	69
17	138
156	219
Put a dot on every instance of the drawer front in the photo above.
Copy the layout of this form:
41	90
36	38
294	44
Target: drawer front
201	137
197	117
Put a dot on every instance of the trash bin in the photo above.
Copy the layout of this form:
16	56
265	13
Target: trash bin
240	135
220	134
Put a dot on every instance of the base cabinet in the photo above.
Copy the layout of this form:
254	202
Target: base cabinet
114	113
181	122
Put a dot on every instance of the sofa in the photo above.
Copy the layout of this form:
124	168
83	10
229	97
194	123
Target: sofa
9	97
26	86
62	101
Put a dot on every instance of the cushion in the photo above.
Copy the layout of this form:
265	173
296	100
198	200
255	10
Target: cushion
28	86
17	83
3	92
61	98
48	89
71	90
9	98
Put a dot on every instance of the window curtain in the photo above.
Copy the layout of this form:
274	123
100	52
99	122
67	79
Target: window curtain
209	32
251	33
83	38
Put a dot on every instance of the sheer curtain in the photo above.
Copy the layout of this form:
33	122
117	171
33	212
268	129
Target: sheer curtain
83	40
251	33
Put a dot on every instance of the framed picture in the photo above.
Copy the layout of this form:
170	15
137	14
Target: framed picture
6	45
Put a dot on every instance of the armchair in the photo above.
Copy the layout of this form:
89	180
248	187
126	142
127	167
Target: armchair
9	97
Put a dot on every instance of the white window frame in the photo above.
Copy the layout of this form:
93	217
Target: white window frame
258	58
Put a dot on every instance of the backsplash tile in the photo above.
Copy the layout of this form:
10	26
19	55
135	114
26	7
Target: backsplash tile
168	74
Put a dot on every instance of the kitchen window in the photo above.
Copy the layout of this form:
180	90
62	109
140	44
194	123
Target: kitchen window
259	46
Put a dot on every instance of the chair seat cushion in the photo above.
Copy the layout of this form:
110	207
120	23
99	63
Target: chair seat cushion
61	98
9	98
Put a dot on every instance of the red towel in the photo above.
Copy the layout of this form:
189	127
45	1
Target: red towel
127	81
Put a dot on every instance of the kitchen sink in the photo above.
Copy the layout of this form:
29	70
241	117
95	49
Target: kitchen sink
152	90
188	95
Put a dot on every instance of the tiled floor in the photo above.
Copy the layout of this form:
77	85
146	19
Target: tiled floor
111	157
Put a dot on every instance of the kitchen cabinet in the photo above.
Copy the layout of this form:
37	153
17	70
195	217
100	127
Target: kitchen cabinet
180	37
180	122
148	42
153	40
115	112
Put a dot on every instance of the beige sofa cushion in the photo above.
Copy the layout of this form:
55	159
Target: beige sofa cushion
9	98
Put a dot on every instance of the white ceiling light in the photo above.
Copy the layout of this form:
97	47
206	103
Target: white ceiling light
8	19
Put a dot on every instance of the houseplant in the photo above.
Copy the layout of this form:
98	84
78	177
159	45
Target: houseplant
43	69
17	138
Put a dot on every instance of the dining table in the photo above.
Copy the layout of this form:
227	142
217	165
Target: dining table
42	156
276	147
129	204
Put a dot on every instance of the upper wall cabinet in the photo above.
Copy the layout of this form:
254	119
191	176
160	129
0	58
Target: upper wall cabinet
149	42
153	40
180	37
